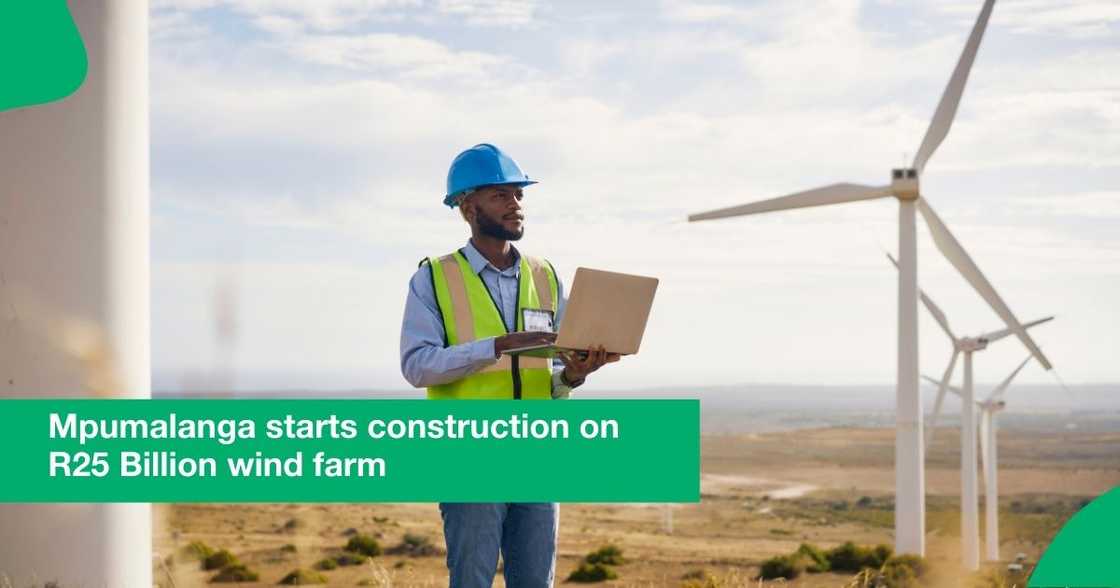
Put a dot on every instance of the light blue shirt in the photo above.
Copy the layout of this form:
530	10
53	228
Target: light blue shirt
424	359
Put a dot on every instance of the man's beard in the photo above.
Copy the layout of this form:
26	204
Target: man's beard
492	228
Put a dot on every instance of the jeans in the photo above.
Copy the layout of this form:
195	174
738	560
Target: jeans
525	534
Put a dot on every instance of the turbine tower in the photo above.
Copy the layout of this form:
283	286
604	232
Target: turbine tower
988	456
74	254
909	448
970	525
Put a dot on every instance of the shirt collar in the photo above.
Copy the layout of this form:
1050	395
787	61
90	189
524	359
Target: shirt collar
478	262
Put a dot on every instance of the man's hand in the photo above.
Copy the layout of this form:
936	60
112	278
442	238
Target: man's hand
576	368
522	339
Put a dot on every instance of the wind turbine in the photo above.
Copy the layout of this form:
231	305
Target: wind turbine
970	524
966	345
988	452
909	448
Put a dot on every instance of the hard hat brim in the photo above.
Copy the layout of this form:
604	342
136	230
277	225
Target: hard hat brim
449	199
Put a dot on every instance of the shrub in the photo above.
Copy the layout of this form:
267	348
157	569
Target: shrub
235	573
880	554
415	546
596	565
592	572
609	555
328	563
196	550
351	559
416	541
864	502
704	582
850	557
782	566
288	548
914	563
219	559
846	558
364	544
303	577
817	559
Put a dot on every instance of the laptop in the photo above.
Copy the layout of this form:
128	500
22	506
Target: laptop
605	308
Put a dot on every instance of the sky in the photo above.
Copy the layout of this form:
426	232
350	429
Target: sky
300	150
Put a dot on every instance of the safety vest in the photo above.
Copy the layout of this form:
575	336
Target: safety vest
470	313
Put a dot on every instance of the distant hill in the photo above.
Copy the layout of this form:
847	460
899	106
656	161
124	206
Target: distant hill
753	408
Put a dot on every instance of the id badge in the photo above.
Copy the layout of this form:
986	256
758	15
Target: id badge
535	319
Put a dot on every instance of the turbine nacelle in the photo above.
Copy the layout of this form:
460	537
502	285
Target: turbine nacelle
970	344
992	405
904	183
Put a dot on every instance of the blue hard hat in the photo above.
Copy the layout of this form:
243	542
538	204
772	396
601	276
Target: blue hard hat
482	165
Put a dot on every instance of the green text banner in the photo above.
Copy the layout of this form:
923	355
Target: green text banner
241	450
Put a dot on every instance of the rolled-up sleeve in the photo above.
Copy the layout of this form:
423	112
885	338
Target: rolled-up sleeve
425	358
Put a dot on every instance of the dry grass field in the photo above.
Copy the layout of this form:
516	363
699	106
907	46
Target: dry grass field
762	495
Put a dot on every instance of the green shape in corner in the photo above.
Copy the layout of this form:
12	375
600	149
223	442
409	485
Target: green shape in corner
1083	553
42	58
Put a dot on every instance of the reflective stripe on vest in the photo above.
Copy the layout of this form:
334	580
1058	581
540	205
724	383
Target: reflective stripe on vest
470	313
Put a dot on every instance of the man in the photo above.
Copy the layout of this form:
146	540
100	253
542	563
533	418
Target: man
463	311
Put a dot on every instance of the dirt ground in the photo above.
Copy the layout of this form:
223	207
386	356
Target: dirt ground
762	495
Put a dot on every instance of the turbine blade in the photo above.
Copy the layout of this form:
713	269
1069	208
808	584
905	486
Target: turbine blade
954	389
933	309
1007	382
938	315
832	194
941	387
955	253
951	97
1000	334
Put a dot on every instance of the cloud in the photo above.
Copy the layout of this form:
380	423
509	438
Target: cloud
501	13
175	27
395	92
1104	205
404	55
329	15
342	15
318	143
591	147
691	12
1079	19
